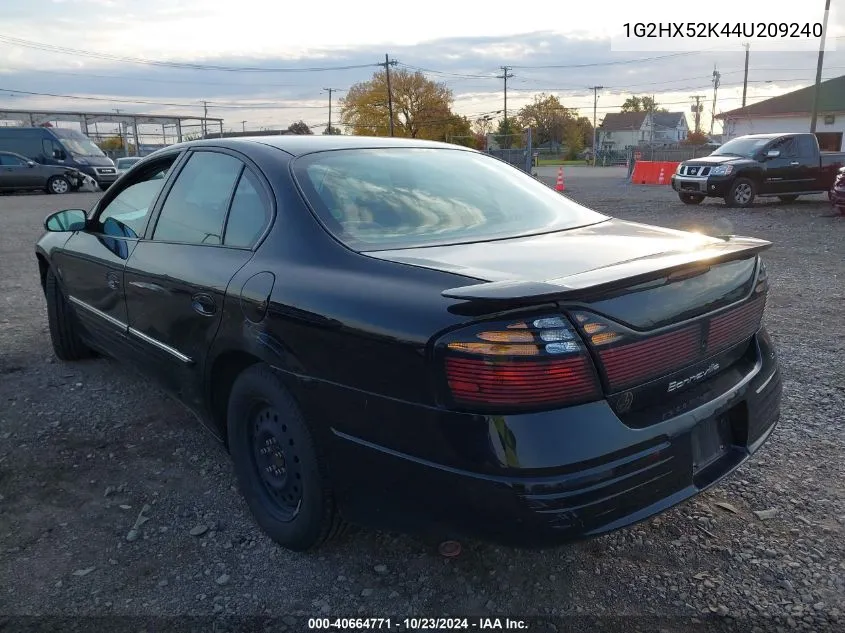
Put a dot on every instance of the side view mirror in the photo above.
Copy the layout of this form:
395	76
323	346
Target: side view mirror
58	154
772	153
30	163
66	221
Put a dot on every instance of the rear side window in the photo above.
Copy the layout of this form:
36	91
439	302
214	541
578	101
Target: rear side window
786	146
376	199
248	215
195	208
807	145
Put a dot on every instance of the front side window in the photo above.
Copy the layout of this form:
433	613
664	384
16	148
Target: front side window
195	208
377	199
127	213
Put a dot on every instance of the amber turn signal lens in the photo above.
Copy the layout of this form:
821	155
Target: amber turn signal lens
495	349
507	337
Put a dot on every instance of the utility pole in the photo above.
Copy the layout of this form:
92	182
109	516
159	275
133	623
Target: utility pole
819	67
716	77
651	108
204	117
697	109
595	90
331	90
387	63
745	81
506	74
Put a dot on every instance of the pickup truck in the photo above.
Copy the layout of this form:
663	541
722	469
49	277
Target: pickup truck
759	165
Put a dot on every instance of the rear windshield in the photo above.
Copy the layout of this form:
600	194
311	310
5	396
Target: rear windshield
377	199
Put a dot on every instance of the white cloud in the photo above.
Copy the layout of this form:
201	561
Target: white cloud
466	41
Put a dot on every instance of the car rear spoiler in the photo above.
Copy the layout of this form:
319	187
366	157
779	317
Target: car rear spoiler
622	274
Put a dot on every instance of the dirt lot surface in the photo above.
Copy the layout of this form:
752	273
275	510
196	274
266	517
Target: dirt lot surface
84	448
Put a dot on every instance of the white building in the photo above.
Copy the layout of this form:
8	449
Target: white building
621	130
792	112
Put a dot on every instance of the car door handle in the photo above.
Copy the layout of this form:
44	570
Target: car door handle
203	304
794	163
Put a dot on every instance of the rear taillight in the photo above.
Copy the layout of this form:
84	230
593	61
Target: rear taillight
629	358
518	365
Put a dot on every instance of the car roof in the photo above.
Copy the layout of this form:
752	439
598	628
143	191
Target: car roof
300	144
769	135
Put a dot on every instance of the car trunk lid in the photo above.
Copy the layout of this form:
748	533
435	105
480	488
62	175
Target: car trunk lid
649	302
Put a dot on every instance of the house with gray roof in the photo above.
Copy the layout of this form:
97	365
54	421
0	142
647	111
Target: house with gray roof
621	130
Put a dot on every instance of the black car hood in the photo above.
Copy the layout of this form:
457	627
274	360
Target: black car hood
718	160
551	254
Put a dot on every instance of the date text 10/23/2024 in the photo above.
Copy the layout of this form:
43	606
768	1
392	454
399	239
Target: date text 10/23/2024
417	624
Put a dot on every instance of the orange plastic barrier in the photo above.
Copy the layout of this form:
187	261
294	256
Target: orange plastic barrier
647	172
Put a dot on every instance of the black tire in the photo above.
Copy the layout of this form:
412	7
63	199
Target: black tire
58	185
286	489
742	193
787	199
64	331
690	198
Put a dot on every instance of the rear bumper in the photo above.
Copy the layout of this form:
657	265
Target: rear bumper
711	186
547	478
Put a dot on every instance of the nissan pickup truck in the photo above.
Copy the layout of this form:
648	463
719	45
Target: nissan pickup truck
756	166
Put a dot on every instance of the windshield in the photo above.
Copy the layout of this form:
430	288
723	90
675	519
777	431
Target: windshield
377	199
77	144
746	147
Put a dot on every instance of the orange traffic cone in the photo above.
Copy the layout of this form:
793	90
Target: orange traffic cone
559	186
660	180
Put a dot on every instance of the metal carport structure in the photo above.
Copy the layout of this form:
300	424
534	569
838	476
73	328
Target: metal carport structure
35	118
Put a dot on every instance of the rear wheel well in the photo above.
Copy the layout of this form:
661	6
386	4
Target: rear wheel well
227	367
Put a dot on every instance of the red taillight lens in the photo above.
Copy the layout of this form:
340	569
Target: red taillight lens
518	365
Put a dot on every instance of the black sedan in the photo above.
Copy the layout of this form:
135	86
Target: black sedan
19	173
419	337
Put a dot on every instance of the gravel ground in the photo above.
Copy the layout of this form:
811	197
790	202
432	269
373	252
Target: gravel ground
89	450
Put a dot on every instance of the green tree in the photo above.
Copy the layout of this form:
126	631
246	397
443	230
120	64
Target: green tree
332	130
641	104
547	118
421	107
300	127
509	134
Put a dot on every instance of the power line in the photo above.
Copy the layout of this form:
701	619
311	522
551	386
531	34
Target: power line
614	63
151	62
212	104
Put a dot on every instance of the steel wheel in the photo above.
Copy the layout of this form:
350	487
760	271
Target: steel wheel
277	463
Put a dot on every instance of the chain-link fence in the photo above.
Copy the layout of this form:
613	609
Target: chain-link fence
518	152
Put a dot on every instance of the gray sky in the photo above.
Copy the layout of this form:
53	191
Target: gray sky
102	49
